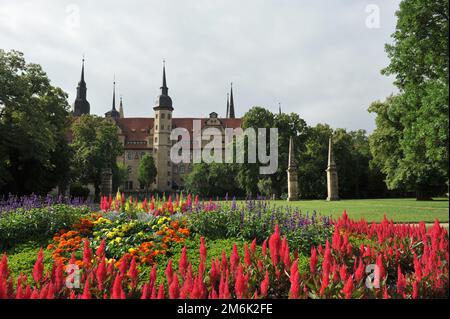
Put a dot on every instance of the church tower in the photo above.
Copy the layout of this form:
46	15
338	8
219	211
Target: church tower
332	175
231	111
113	113
121	108
161	137
81	105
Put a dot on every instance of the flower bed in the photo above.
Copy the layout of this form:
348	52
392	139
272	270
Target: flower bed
409	262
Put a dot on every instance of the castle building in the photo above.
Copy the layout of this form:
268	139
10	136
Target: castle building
151	135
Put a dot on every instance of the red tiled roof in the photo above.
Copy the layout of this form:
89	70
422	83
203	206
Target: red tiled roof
188	123
137	129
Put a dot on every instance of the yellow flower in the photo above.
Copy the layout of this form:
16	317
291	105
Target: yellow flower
132	250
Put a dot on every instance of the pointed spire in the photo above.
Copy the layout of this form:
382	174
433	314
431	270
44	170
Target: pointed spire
81	105
331	162
231	112
164	88
228	105
279	108
82	71
164	101
121	108
114	94
113	113
291	163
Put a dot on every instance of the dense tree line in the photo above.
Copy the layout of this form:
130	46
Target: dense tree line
357	178
410	143
36	153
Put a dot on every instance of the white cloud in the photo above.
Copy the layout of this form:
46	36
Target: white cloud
317	58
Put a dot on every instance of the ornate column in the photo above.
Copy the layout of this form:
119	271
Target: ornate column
292	174
332	175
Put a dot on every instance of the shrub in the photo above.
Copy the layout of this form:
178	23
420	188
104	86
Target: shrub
80	191
36	224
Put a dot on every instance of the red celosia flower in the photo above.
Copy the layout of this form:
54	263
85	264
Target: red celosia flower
294	291
274	246
133	273
253	246
174	289
38	267
169	272
359	273
240	286
401	282
161	293
100	252
4	272
224	263
343	272
87	254
86	293
313	260
234	259
325	282
265	285
380	272
202	249
183	262
214	273
348	288
247	258
101	274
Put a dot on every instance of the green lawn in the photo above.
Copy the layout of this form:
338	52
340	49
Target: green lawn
400	210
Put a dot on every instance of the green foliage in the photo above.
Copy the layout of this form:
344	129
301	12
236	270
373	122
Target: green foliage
147	171
289	125
120	175
37	223
96	146
410	144
78	190
209	180
21	259
34	156
258	222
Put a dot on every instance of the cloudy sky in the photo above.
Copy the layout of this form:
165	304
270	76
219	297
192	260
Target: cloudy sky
320	59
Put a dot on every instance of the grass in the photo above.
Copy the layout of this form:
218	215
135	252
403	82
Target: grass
404	210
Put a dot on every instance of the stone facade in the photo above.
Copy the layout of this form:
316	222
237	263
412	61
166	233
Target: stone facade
151	135
332	175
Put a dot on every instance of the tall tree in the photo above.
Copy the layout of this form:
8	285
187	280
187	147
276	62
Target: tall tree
95	145
288	125
147	171
34	156
417	118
